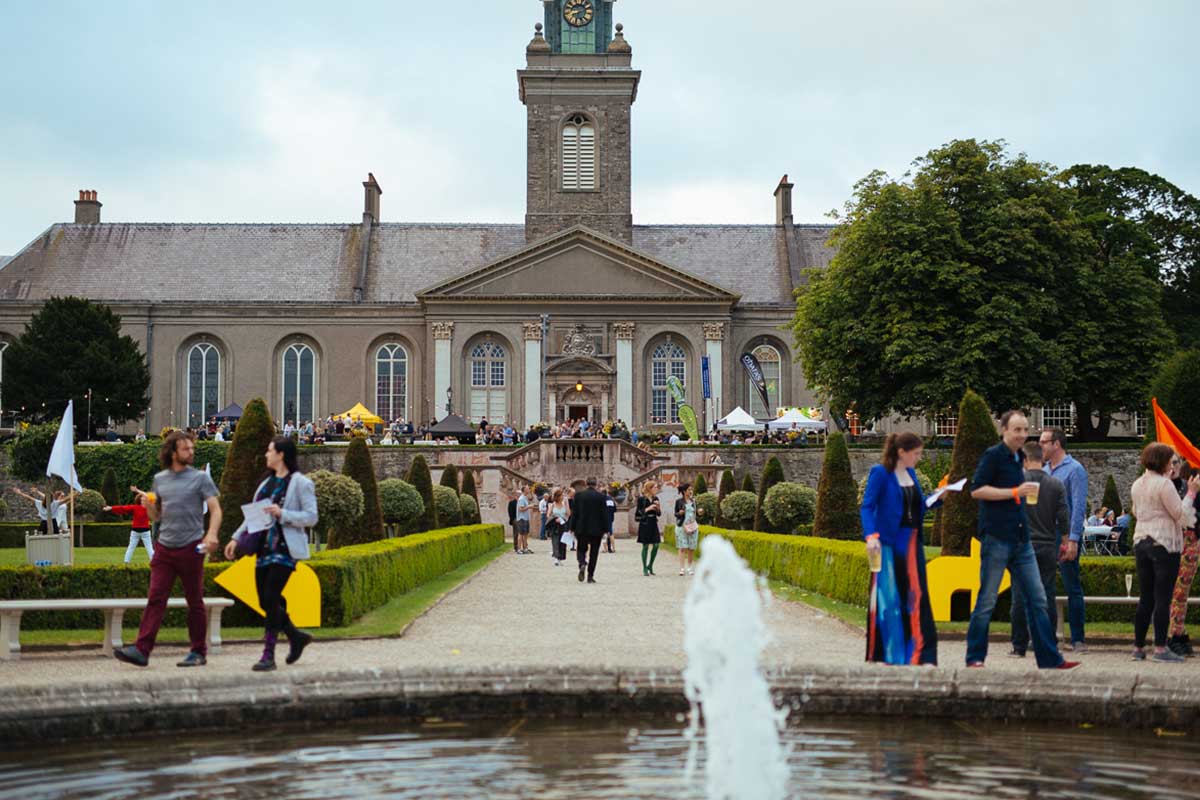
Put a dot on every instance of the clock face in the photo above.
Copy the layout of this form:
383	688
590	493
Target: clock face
578	12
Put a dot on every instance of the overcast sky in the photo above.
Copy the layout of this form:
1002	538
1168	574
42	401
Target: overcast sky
275	111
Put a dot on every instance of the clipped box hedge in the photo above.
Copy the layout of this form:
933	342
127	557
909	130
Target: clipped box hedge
95	534
838	569
354	580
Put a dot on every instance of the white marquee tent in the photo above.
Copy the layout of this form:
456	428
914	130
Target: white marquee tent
802	423
738	420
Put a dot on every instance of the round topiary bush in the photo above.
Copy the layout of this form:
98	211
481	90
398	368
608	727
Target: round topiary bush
401	502
89	504
706	508
788	505
449	512
922	478
339	501
738	509
470	509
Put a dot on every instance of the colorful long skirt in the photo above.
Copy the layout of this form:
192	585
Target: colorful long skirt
900	627
1183	584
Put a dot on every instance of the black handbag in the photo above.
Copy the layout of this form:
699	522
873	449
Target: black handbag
250	543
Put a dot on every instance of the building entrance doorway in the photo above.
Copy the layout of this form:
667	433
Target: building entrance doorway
577	413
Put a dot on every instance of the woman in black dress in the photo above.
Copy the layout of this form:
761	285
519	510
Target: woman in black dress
647	513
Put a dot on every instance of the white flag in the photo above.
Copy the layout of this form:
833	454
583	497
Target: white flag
62	457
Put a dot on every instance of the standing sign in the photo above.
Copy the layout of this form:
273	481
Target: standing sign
754	370
706	377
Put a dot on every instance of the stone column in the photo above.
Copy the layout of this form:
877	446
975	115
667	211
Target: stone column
714	336
443	333
624	331
533	372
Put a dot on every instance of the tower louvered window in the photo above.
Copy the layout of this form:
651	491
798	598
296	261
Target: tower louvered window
579	154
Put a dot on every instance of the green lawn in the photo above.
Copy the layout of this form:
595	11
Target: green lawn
15	556
387	620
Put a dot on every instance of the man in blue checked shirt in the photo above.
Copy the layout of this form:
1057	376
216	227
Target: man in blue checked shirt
1059	464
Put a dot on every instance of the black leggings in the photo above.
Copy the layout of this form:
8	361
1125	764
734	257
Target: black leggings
270	581
1157	570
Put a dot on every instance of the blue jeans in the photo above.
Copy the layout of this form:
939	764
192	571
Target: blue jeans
1046	554
1017	557
1071	582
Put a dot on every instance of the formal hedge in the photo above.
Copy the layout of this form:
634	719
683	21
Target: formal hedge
354	580
136	463
772	473
95	534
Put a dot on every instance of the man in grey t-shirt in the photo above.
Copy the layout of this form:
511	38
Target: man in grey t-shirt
177	503
1049	522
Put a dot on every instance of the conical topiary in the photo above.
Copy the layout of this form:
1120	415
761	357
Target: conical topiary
422	481
748	483
112	495
959	516
701	485
245	465
772	474
369	527
450	477
726	487
836	516
468	486
1112	498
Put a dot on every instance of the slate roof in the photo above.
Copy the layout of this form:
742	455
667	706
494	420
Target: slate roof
183	262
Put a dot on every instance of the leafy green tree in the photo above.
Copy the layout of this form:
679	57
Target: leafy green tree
960	513
789	505
339	501
245	466
707	509
401	503
69	346
725	488
469	508
772	474
468	486
88	504
31	451
1112	498
748	483
449	510
836	514
422	481
1177	387
450	477
369	527
738	509
701	485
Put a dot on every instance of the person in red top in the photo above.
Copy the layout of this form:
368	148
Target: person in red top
138	530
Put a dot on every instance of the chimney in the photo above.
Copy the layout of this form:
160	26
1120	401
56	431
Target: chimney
87	208
372	192
783	202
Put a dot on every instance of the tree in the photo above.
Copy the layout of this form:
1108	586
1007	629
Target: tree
960	513
468	486
450	477
738	509
748	483
245	465
112	495
339	502
772	474
449	510
400	501
725	488
31	451
469	508
836	514
1112	498
422	481
701	485
1177	386
789	505
69	346
369	527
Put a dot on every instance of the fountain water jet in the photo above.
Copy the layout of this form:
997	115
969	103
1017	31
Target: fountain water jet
724	637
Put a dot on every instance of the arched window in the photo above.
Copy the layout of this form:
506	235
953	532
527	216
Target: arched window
3	347
203	383
391	382
299	384
579	154
667	359
768	359
489	385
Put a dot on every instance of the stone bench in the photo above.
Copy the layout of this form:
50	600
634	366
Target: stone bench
114	613
1061	603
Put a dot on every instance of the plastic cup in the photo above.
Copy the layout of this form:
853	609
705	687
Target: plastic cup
1031	498
875	559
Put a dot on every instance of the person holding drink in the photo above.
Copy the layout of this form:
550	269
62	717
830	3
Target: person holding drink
900	627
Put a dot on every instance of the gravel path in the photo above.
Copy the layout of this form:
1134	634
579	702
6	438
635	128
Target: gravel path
522	611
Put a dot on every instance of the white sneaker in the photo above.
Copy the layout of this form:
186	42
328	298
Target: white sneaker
682	572
691	571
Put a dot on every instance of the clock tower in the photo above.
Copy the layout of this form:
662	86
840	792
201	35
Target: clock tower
578	87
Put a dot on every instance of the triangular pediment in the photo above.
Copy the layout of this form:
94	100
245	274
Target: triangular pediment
578	263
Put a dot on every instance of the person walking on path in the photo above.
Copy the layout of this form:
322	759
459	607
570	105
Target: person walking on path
1049	522
38	498
588	525
543	508
648	510
559	513
139	528
1157	544
900	628
610	516
1000	487
524	503
512	522
294	508
687	530
1060	464
179	495
1177	640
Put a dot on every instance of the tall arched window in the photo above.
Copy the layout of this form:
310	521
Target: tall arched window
203	383
299	384
768	359
3	347
391	382
579	154
667	359
489	384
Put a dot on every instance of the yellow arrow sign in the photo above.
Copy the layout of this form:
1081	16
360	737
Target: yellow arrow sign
302	593
949	574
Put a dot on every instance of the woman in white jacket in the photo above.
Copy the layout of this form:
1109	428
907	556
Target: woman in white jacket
294	508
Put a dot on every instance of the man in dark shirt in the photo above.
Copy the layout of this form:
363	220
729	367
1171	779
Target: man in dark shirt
1049	523
1000	487
588	523
512	521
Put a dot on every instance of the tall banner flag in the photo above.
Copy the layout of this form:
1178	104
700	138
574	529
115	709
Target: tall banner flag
1169	434
754	370
62	456
706	377
686	414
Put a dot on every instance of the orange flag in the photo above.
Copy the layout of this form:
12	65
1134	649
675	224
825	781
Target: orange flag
1168	434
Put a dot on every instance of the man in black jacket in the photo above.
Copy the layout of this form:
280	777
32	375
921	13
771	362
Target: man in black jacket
512	522
589	525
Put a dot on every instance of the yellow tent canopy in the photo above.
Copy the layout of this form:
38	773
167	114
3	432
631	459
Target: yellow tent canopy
360	412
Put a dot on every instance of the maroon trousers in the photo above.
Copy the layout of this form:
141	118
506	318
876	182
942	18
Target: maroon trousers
187	565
